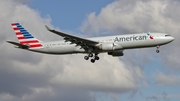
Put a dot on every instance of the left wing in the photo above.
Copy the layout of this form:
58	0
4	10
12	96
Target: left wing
84	43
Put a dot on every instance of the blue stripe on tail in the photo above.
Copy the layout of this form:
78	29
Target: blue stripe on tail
25	33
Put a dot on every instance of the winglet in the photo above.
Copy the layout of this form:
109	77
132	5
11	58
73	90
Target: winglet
48	28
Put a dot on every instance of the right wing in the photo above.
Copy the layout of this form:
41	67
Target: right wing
84	43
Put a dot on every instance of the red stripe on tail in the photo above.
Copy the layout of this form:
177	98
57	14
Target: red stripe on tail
31	41
22	37
35	46
16	28
18	33
13	24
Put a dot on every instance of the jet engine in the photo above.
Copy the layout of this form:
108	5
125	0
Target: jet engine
116	53
109	46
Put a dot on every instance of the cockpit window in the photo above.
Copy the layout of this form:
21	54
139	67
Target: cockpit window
167	35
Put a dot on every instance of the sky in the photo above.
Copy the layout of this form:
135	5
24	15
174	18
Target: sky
140	75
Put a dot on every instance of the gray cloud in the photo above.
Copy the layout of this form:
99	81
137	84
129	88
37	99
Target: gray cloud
165	79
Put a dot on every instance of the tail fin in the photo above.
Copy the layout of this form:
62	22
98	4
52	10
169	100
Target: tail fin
24	37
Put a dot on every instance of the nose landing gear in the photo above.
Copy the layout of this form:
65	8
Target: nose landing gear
157	49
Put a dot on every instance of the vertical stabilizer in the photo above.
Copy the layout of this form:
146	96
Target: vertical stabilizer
24	37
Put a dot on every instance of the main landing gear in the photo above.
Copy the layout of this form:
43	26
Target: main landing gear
157	49
94	57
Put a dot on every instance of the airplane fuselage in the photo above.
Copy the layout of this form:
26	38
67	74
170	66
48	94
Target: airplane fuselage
110	43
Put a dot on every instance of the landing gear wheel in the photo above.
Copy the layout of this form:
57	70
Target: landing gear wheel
92	60
96	58
157	51
90	55
86	57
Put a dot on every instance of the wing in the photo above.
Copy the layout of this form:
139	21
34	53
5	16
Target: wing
19	45
84	43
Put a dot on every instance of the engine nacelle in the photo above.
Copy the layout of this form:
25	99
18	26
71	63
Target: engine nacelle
116	53
109	47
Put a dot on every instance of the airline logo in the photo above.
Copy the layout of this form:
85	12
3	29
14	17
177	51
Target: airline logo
130	38
150	36
133	38
24	37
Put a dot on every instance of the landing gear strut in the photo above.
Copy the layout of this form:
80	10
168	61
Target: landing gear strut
157	49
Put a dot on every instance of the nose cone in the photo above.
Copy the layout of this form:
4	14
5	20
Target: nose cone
165	39
171	39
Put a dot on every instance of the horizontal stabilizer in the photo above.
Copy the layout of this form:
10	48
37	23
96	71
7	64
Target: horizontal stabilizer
19	45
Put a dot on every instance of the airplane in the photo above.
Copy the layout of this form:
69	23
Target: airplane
112	45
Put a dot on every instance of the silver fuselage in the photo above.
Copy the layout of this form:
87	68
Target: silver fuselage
129	41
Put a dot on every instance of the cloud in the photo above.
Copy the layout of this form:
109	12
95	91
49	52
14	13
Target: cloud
127	16
112	74
165	79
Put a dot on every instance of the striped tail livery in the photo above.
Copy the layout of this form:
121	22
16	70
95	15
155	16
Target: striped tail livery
25	38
